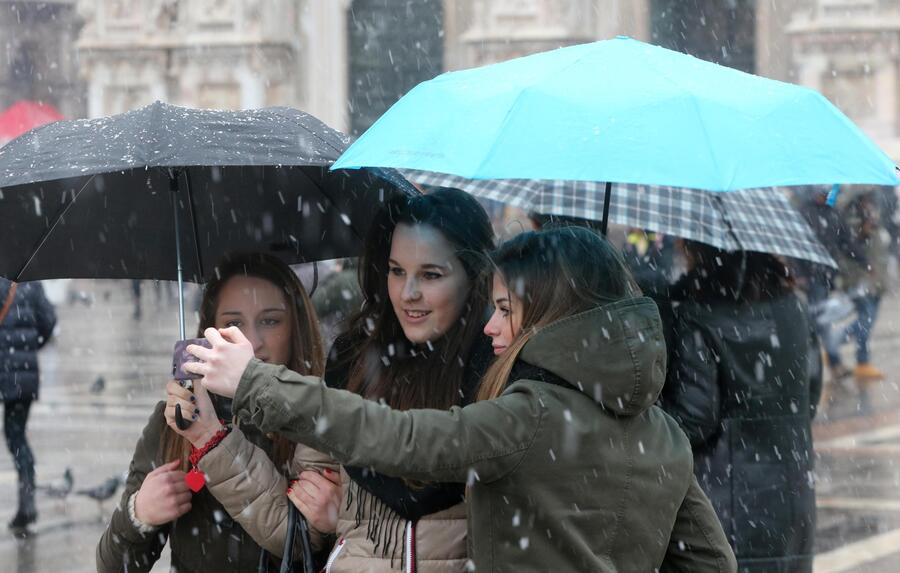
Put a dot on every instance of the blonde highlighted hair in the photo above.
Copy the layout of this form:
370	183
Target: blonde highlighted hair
554	273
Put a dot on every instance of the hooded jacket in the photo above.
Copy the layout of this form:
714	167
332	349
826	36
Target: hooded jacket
587	475
738	383
26	328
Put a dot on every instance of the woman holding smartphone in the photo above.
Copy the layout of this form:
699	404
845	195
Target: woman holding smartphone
240	508
569	464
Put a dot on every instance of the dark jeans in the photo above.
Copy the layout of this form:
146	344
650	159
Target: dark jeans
861	329
15	416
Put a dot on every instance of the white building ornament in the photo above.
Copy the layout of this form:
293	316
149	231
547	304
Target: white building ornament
850	51
207	53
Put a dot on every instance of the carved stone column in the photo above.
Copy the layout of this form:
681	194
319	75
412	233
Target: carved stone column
325	61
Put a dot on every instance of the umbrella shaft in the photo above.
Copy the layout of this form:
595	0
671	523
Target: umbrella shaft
178	262
604	224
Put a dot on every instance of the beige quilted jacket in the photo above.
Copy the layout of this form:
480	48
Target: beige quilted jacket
245	481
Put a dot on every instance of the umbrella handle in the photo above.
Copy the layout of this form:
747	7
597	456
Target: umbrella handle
180	421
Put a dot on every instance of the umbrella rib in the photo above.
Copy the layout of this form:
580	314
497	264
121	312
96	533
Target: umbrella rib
49	231
194	228
720	207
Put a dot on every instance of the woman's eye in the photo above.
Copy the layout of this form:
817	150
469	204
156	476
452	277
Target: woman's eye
505	311
396	271
270	322
429	276
231	323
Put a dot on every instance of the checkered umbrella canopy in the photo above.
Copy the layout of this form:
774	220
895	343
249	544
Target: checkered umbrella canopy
753	219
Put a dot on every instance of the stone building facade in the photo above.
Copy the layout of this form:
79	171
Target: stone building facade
850	51
346	61
40	63
231	54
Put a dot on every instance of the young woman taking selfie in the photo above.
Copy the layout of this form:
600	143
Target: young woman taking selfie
569	464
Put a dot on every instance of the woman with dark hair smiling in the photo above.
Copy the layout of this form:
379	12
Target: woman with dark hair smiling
569	465
417	342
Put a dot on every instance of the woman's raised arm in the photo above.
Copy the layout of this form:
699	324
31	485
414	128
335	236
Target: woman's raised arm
483	441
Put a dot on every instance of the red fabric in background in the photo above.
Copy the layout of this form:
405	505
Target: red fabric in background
23	116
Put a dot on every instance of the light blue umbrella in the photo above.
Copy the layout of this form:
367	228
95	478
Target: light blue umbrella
621	111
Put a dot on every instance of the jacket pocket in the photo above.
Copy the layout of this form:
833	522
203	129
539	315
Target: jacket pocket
339	546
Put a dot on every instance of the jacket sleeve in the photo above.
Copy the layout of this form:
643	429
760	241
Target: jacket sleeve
306	458
44	313
691	394
697	543
252	490
122	547
483	441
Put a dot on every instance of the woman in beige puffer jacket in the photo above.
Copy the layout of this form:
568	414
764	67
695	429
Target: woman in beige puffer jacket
245	481
227	525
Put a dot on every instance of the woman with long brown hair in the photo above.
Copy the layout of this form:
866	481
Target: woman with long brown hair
242	510
417	342
569	464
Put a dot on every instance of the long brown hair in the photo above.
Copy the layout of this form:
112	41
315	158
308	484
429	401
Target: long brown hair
307	354
384	364
554	273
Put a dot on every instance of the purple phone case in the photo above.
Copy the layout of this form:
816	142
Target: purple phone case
181	355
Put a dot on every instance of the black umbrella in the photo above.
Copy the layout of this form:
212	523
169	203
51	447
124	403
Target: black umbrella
163	192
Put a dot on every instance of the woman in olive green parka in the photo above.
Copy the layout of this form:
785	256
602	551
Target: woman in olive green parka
569	464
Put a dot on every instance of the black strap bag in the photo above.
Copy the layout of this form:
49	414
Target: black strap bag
297	527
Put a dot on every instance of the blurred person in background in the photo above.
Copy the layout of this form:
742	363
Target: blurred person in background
27	320
337	299
888	216
649	255
825	301
863	276
738	384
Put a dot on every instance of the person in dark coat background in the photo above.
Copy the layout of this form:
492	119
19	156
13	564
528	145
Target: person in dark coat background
27	325
738	385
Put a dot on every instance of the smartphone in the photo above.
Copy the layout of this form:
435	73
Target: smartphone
179	357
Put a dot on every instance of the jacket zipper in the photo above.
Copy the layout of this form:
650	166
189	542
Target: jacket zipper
334	554
410	547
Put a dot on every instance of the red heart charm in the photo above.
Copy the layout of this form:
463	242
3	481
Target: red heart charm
195	480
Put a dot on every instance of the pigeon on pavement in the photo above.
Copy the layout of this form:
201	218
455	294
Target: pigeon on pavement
59	489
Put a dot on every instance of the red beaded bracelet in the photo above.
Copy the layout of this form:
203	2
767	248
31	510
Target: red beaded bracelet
195	479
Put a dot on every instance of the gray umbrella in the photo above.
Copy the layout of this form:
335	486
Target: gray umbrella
163	192
760	220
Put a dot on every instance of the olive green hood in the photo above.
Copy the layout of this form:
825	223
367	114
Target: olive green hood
615	354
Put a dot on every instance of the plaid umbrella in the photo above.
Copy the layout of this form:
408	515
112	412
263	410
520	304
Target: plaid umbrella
759	220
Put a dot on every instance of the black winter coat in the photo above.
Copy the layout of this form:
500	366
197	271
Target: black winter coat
738	385
26	328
